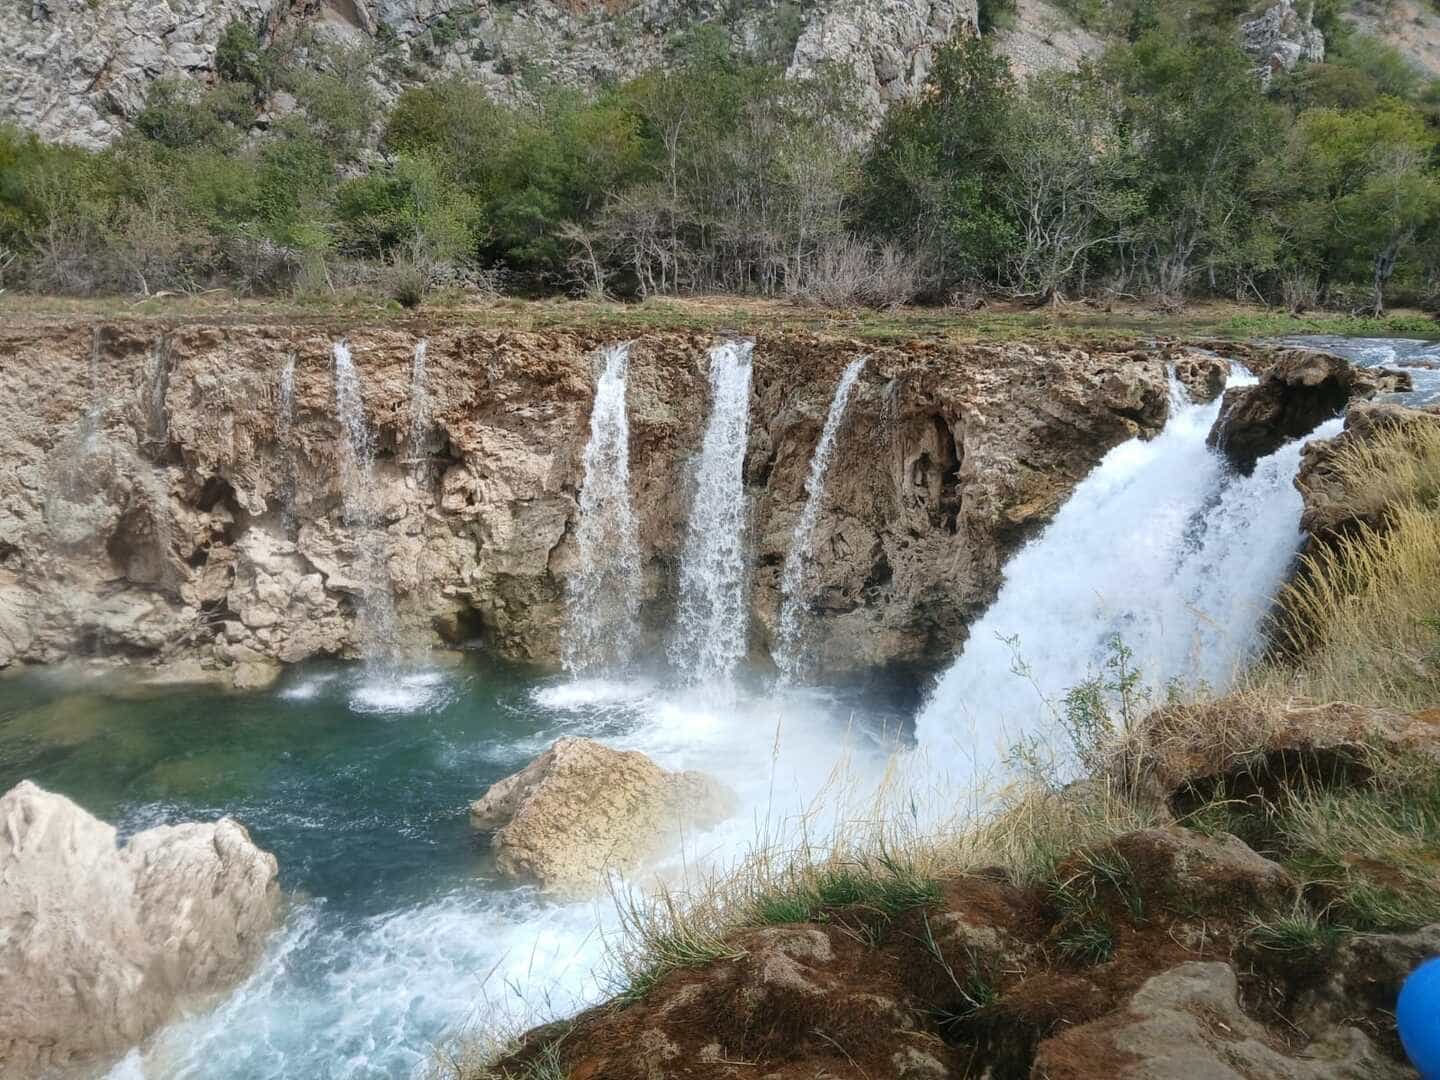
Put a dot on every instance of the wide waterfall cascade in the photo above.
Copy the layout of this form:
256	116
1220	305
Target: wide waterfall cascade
420	414
710	633
378	635
604	593
795	577
1163	548
285	437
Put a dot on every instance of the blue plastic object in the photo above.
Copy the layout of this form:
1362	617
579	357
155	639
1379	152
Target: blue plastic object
1417	1015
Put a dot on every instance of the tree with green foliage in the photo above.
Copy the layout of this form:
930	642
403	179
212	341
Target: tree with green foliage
1192	109
931	174
1363	190
1070	180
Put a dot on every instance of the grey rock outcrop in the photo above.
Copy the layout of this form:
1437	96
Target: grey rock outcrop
581	810
78	72
1280	38
73	71
1300	389
889	44
103	943
1188	1022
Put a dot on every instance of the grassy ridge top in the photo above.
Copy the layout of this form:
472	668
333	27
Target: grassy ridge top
1078	322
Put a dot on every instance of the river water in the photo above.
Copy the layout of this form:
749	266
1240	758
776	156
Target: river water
399	932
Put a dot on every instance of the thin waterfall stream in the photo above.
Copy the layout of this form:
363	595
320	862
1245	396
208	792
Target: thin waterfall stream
420	414
799	563
379	636
604	594
285	436
710	631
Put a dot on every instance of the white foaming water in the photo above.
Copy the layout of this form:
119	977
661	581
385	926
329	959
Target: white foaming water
795	577
710	633
391	691
379	638
604	594
1162	546
420	414
342	1002
284	435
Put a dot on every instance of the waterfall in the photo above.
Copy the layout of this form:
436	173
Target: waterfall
420	415
1163	546
157	386
710	635
285	436
795	578
378	636
90	429
604	595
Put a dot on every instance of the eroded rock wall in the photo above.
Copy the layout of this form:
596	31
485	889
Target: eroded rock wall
141	506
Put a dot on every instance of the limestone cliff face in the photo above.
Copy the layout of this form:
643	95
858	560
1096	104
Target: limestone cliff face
77	71
143	503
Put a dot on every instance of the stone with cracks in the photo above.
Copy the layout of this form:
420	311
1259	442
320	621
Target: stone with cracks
582	810
102	943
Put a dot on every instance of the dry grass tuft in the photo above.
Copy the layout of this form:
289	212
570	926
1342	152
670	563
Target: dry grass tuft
1364	615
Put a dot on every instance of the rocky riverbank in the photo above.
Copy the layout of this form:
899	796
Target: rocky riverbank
170	505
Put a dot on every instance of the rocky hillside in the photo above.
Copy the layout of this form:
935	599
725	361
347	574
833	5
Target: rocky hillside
164	507
77	71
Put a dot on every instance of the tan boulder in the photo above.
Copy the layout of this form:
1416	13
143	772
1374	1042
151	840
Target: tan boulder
103	943
581	809
1187	1022
1335	503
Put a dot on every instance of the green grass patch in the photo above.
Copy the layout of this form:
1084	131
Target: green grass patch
1088	942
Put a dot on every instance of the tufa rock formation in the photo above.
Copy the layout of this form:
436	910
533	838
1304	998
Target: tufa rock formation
161	510
1300	389
580	810
103	943
1334	504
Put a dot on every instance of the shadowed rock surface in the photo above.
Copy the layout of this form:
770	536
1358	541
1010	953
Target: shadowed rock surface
1299	390
103	943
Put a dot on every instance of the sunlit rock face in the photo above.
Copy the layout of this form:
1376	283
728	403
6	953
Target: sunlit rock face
581	811
103	942
78	72
211	529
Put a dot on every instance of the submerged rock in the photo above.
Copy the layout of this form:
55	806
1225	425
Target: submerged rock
1301	389
580	810
103	943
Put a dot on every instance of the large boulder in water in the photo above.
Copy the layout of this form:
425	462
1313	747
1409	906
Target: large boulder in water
101	943
1301	389
581	809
